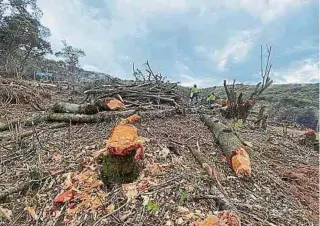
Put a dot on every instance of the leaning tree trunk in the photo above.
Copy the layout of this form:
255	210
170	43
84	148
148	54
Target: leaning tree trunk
230	144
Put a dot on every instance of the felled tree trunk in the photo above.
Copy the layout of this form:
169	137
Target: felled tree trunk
230	144
64	107
107	116
82	118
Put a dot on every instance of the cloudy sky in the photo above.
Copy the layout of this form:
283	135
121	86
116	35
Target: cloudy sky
192	41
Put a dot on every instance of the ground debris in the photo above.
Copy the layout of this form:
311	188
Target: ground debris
172	188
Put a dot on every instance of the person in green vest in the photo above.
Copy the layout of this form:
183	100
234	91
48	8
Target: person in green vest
211	99
194	94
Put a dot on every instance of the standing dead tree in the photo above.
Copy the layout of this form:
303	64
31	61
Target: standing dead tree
237	106
150	77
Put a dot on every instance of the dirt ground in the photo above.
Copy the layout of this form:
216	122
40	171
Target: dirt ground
283	189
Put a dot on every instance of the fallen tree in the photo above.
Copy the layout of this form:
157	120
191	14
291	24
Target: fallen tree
108	116
64	107
231	146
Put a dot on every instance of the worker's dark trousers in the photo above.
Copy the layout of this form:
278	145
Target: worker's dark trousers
195	96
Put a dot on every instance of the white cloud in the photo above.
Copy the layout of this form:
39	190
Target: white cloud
89	67
236	49
268	10
306	71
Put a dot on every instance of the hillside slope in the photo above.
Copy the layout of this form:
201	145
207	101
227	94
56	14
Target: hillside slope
293	103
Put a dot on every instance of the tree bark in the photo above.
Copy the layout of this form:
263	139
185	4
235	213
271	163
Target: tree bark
228	141
107	116
64	107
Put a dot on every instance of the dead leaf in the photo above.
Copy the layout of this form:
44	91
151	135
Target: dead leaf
165	152
130	190
169	223
182	209
142	185
32	212
68	181
125	215
56	156
110	208
180	221
210	220
5	213
146	199
64	197
99	153
155	168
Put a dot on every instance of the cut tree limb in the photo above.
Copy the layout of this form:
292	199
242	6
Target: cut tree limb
221	200
230	144
27	122
31	132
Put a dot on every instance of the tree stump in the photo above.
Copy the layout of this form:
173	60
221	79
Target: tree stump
118	169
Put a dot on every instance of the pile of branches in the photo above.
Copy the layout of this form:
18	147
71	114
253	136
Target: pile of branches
13	91
240	108
147	90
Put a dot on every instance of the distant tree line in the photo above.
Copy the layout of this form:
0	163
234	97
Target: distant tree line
24	41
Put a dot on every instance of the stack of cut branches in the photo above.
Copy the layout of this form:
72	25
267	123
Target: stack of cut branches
146	91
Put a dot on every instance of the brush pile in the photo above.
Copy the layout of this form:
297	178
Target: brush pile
147	91
14	91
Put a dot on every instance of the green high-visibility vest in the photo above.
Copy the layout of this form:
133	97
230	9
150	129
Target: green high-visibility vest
195	90
211	97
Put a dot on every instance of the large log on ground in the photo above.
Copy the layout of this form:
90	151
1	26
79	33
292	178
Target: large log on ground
231	145
107	116
64	107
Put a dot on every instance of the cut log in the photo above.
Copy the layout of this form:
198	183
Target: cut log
107	116
81	118
231	145
64	107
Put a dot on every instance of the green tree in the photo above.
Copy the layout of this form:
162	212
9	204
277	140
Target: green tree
22	37
71	56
